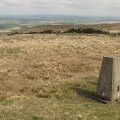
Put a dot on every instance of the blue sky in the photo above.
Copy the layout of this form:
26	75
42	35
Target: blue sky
60	7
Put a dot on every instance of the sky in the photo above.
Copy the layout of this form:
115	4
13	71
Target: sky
60	7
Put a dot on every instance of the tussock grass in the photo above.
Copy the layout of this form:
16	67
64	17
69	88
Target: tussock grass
49	77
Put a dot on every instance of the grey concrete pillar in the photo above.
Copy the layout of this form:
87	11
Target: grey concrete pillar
108	87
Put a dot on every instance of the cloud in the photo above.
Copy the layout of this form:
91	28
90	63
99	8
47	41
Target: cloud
77	6
11	2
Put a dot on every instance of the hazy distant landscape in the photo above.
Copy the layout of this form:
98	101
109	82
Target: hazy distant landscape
9	23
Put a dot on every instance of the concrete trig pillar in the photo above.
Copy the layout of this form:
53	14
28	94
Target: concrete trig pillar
108	88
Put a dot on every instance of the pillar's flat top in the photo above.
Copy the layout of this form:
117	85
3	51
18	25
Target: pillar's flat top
111	57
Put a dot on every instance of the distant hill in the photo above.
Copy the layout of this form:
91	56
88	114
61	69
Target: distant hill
69	28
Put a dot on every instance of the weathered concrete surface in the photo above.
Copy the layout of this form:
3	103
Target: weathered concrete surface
109	79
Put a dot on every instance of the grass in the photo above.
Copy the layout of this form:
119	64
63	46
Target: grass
8	51
53	77
37	118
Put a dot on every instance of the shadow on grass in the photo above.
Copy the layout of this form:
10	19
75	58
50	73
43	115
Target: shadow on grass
93	83
85	93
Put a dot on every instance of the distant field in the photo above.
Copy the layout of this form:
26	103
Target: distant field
10	23
6	30
6	26
52	77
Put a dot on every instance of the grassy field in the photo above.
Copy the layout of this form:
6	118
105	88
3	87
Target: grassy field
52	77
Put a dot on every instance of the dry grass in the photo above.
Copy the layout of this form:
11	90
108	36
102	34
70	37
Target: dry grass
51	77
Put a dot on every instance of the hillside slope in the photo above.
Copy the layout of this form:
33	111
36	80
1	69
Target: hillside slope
52	77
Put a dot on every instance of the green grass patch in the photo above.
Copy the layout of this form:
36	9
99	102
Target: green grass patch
10	51
37	118
67	101
5	102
